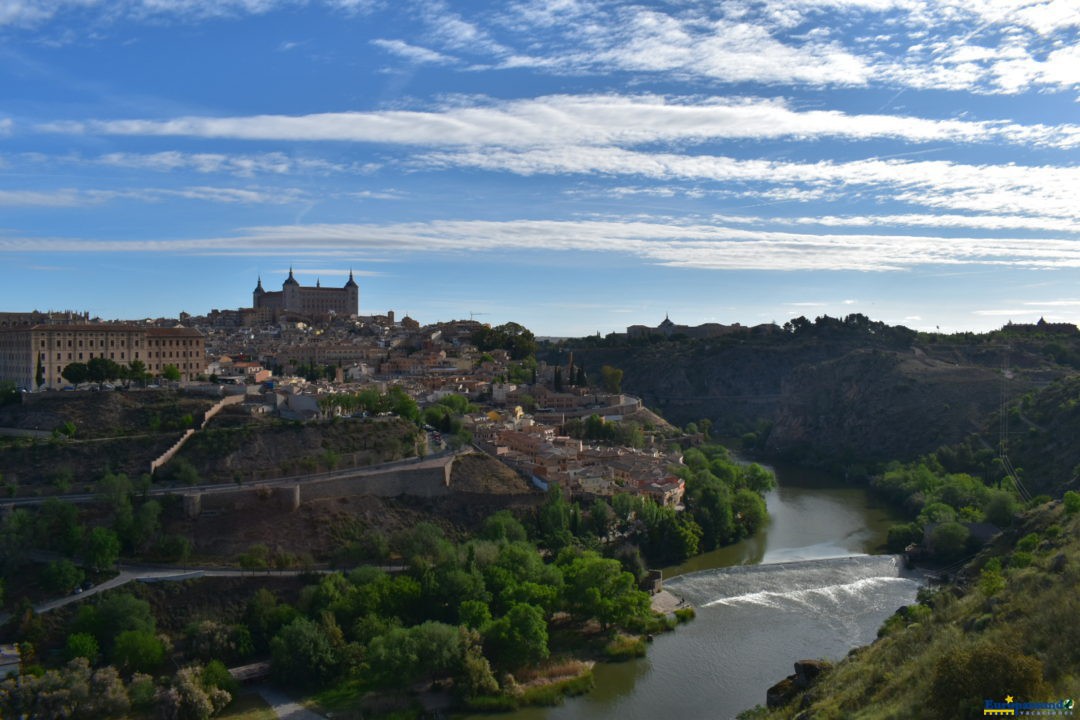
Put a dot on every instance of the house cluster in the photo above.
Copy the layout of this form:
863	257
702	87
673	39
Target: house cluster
295	346
520	421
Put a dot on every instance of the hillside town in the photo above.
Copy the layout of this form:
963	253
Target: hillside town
291	353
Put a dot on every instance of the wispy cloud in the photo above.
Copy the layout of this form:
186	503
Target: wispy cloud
664	243
620	120
413	53
74	197
1006	189
233	164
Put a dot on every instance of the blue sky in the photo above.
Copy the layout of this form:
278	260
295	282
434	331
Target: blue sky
576	166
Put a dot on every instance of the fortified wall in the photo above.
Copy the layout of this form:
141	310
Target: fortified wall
424	481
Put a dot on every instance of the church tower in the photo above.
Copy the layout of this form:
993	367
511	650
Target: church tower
257	296
353	292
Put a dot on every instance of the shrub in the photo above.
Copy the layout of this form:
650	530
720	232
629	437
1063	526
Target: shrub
685	614
625	647
1072	502
964	677
1020	559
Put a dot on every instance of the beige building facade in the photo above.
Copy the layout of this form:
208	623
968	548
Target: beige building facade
23	350
309	302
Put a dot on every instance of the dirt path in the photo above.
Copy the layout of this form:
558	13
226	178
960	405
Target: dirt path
285	707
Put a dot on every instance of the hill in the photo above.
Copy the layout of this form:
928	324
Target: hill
834	392
1005	628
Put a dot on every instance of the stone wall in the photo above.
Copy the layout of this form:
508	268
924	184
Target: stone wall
418	481
168	454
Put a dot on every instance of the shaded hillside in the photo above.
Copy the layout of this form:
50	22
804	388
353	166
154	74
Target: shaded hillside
94	432
262	449
835	392
106	414
875	405
1044	428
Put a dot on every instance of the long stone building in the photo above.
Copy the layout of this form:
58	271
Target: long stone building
309	302
29	350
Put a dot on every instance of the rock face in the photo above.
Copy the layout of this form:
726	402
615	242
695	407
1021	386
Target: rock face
806	674
807	671
781	693
839	400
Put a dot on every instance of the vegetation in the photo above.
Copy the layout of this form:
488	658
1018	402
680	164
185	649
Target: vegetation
511	337
1004	629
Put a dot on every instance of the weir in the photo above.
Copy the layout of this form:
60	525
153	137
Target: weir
801	585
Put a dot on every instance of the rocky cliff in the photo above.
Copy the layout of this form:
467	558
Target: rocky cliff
834	393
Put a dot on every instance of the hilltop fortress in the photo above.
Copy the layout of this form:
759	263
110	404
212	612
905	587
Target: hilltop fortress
311	302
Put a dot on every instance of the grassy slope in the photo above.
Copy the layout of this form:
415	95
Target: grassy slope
1023	639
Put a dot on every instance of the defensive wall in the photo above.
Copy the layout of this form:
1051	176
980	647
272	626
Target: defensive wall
424	481
214	410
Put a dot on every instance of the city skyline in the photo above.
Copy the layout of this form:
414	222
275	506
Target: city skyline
577	167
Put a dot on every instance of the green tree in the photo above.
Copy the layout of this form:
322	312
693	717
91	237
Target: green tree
136	371
749	510
170	372
61	576
555	519
303	655
518	638
1001	507
58	527
102	369
949	540
599	588
502	525
1072	502
189	697
74	692
75	373
102	549
113	615
137	651
82	645
612	378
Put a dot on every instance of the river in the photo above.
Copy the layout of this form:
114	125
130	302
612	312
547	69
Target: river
805	586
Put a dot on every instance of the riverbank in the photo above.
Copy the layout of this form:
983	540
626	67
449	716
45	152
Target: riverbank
1005	630
666	602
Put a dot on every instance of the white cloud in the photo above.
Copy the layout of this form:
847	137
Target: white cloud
1055	303
676	245
234	164
1006	189
413	53
74	197
589	120
6	126
52	198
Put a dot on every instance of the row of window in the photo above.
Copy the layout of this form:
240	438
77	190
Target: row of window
135	343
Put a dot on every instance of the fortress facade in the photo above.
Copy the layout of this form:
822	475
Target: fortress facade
309	302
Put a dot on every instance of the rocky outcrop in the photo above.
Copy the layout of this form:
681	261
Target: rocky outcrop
806	674
838	400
